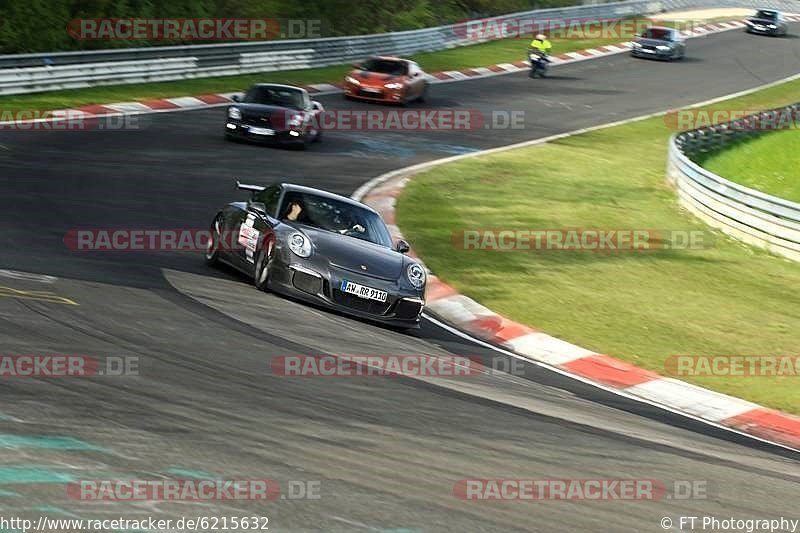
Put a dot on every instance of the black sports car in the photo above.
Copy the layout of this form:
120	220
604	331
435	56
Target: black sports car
273	113
659	43
767	22
322	248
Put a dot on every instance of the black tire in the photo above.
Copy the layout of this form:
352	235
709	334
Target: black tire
212	250
262	266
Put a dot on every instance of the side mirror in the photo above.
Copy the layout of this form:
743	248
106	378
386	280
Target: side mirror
401	246
236	98
316	106
258	207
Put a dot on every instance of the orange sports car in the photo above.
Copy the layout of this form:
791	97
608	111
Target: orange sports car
386	79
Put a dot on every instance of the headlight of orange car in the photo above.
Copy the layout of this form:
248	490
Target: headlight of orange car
394	85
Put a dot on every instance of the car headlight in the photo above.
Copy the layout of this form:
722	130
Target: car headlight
235	113
393	85
296	120
416	275
299	245
350	79
771	26
637	45
662	47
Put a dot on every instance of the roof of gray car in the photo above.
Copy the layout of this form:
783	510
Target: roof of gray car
324	194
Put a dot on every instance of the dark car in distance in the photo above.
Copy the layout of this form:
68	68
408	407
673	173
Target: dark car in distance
321	248
659	43
767	22
273	113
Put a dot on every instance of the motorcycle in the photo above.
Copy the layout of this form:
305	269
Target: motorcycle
539	63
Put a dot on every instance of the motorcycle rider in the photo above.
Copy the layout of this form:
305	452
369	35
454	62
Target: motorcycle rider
542	47
541	44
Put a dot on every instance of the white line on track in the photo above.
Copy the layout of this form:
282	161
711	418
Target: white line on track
27	276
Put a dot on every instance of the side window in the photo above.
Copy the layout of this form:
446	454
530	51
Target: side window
269	197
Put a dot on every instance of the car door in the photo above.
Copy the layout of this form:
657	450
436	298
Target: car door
255	226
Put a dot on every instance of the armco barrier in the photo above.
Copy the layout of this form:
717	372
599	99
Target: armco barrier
24	73
748	215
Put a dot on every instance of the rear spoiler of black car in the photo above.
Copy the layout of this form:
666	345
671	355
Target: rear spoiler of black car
252	188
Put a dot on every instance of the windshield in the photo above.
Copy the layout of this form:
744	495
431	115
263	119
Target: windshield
334	216
277	96
385	66
661	34
769	15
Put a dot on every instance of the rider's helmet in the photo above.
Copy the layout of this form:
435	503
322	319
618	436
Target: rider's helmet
541	37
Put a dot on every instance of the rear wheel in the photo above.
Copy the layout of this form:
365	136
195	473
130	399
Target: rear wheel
263	263
215	238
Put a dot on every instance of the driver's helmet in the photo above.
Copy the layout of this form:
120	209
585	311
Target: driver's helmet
541	37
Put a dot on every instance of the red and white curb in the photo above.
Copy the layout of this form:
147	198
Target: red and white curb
480	322
218	99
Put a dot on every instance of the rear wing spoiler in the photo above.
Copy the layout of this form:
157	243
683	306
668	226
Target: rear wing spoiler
252	188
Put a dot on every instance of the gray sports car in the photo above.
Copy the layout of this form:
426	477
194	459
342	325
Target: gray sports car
767	22
322	248
659	43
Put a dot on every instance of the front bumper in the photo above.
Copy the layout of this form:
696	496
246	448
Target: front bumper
653	53
239	130
307	282
384	94
763	30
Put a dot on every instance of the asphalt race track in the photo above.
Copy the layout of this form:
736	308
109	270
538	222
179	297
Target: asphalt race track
387	451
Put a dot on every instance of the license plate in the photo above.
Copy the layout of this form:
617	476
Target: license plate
646	51
363	291
261	131
374	91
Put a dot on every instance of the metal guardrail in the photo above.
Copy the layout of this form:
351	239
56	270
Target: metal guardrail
746	214
265	56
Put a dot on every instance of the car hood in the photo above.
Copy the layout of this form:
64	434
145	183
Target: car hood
654	42
374	78
264	110
350	253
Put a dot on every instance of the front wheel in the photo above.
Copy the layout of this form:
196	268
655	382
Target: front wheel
263	263
214	240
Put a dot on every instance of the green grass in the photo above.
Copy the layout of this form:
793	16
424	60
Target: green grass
500	51
768	163
726	299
